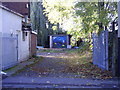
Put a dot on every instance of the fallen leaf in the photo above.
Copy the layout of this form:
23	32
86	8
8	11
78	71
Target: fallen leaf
47	81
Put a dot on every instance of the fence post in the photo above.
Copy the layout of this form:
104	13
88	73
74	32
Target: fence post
118	63
106	49
114	51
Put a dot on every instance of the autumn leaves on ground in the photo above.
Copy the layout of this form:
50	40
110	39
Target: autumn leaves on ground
73	63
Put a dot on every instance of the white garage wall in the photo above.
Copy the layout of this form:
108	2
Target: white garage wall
23	47
12	23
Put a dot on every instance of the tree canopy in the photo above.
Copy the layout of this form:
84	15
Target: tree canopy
79	19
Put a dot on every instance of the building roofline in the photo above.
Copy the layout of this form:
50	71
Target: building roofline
7	9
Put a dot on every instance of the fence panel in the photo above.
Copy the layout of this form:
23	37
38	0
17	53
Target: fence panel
9	50
100	49
0	60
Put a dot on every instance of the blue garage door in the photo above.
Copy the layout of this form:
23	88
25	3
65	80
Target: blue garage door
59	41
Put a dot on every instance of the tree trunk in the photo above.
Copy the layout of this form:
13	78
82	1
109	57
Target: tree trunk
100	8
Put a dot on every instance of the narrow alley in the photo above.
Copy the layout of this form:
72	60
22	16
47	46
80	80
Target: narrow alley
61	68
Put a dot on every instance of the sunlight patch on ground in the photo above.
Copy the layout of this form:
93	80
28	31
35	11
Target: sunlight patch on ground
74	58
68	62
46	56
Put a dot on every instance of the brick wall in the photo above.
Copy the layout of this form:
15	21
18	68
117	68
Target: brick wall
33	43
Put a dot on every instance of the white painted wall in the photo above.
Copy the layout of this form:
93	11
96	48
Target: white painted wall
12	23
23	46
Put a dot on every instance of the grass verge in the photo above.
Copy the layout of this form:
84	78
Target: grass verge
34	59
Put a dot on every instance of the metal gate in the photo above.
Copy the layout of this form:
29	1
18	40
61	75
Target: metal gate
9	50
100	50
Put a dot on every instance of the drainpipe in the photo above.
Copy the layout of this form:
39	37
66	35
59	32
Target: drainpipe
118	64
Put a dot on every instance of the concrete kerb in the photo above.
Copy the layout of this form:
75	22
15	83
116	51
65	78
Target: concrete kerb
18	67
52	81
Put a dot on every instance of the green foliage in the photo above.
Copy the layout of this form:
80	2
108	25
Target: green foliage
34	56
54	27
51	50
79	19
58	10
95	13
34	60
10	68
38	21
